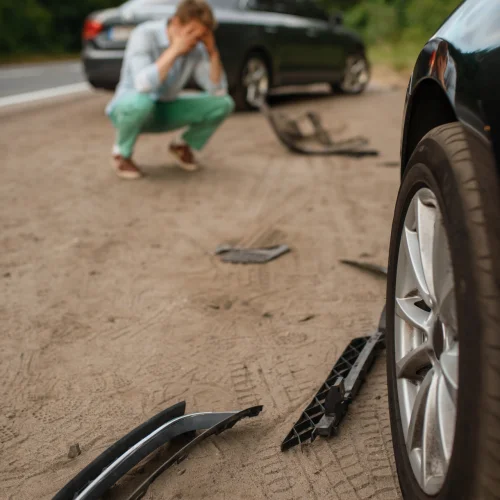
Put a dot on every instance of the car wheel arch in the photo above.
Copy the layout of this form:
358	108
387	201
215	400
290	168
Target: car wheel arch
428	107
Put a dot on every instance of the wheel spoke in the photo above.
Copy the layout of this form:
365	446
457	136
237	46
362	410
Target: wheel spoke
409	312
412	248
414	437
411	365
444	285
446	418
426	220
256	80
433	457
449	365
258	74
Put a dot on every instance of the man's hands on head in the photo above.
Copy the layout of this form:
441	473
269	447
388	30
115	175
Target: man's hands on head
183	39
186	37
209	41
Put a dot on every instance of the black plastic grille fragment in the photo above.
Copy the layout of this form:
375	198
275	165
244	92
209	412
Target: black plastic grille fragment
303	430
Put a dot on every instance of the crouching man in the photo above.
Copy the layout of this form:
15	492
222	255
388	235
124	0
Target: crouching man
160	59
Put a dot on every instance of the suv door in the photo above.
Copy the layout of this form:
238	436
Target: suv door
295	42
281	32
324	51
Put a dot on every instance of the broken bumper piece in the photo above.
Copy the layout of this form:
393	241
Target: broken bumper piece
330	404
114	463
221	426
289	133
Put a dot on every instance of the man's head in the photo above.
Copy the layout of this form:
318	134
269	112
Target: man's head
196	13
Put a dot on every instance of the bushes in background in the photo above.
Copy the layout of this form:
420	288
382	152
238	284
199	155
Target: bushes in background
35	26
30	26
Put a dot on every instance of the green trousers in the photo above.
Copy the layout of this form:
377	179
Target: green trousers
137	113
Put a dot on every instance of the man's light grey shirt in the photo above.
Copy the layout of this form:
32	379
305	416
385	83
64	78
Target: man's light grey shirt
140	74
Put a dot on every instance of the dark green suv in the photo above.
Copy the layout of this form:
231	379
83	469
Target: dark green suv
263	44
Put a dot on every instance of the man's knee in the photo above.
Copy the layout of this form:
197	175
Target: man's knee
137	106
227	105
221	106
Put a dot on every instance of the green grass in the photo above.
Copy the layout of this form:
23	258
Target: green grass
400	55
6	59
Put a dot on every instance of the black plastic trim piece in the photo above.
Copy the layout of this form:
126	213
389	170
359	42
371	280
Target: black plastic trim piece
105	459
289	134
330	404
251	255
228	423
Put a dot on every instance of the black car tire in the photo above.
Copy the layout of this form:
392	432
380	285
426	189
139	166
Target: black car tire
239	93
468	196
341	87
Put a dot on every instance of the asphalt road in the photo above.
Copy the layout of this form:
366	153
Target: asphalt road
20	79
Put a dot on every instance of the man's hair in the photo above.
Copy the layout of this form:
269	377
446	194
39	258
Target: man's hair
188	10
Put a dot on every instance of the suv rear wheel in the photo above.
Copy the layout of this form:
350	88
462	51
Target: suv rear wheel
443	317
356	75
254	82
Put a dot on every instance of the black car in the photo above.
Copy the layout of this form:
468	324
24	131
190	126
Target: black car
443	293
263	44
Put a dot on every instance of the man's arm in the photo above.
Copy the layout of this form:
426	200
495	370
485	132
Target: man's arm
216	68
142	64
209	72
183	41
148	73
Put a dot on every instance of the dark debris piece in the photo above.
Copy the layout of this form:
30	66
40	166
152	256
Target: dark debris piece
74	451
389	164
289	133
345	390
366	266
303	430
251	255
307	318
328	408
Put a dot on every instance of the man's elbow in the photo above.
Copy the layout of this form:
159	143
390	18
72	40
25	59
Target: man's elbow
143	84
220	91
147	80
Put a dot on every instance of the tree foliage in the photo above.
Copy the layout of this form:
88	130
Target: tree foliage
44	25
55	25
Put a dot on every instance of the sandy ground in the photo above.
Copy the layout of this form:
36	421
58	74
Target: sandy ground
113	306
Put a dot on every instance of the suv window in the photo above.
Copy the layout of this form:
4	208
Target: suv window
302	8
263	5
310	9
285	7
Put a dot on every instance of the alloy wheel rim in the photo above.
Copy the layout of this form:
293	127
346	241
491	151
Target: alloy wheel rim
256	80
426	342
356	74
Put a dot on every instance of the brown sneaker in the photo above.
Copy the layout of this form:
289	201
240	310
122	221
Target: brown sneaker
184	156
125	168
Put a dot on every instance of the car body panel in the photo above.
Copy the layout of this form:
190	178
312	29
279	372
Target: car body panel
300	49
468	72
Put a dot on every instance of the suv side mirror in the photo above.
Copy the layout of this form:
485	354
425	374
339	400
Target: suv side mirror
337	18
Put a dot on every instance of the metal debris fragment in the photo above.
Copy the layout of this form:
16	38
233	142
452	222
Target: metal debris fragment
291	134
330	404
366	266
236	255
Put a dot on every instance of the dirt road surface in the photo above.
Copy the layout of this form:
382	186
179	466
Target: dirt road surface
113	306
